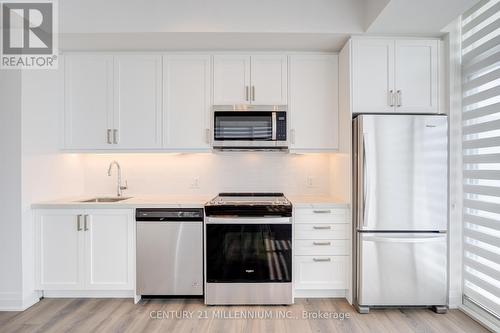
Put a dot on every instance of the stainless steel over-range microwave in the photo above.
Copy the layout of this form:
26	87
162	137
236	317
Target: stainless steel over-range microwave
250	127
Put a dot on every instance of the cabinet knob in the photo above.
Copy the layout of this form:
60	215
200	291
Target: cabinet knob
207	135
322	243
108	133
79	222
322	228
390	98
322	259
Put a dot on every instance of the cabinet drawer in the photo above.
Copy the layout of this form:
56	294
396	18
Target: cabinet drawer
321	231
321	272
321	215
321	247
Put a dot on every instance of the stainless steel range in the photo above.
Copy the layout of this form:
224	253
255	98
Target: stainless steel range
248	249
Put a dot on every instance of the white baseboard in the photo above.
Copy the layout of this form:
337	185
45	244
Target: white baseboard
455	299
12	301
88	293
320	293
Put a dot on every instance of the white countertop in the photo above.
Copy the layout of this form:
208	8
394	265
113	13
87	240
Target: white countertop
177	201
315	201
174	201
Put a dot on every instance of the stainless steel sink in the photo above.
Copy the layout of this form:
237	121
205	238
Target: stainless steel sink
105	199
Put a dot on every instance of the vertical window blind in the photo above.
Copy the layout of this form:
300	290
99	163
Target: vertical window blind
481	155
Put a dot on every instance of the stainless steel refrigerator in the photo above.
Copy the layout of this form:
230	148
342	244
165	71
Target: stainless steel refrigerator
400	211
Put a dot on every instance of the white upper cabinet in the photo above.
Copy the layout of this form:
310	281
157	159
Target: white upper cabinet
373	75
187	102
313	104
113	102
268	79
137	107
416	76
231	79
256	79
394	75
88	102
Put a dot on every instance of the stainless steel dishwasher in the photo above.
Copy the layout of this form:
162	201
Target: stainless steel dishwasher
169	251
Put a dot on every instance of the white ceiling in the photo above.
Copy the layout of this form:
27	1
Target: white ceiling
242	24
419	17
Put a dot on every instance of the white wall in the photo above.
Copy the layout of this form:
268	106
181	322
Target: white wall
454	92
171	174
46	173
10	190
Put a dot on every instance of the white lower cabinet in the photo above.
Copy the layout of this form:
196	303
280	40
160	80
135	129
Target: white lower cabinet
84	250
321	272
321	251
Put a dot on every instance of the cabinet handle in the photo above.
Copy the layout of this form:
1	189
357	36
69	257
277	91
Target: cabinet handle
246	93
325	211
85	223
253	93
79	222
399	97
115	136
207	135
322	243
322	259
322	228
109	136
390	98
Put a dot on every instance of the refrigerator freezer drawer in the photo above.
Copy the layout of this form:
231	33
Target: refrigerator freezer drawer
405	269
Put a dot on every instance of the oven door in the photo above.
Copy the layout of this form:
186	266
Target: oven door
243	250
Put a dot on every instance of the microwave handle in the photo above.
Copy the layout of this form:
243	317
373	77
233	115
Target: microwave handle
273	125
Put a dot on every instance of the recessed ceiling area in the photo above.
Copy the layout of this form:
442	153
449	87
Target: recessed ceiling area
316	25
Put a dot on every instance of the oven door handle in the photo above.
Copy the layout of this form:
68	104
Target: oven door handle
248	220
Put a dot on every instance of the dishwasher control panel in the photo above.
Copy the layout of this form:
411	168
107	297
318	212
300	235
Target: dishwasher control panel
168	214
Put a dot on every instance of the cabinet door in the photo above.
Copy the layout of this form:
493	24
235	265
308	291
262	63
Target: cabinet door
321	272
231	79
269	79
137	112
314	102
59	253
88	101
187	102
109	249
416	76
373	75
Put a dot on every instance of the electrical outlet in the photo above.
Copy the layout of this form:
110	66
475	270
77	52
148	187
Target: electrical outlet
310	181
195	183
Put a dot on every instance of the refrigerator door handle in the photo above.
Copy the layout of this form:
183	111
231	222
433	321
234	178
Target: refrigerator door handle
413	239
365	183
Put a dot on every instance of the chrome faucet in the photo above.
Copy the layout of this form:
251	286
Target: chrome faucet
119	187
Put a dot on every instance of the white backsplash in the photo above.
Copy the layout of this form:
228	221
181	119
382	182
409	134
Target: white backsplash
208	174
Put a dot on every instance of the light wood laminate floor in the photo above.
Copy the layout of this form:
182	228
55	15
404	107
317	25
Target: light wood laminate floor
121	315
